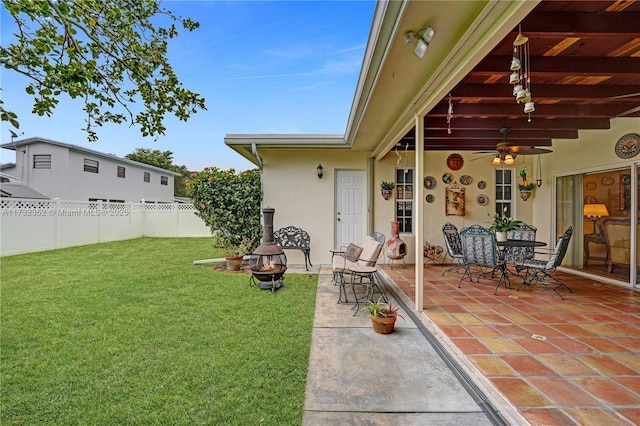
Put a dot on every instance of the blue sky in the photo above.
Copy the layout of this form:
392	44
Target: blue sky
263	67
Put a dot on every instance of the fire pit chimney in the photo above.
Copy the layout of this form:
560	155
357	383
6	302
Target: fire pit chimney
268	246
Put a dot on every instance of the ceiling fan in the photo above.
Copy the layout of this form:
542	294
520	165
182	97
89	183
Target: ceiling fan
506	152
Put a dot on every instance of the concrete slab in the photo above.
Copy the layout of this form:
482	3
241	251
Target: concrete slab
357	376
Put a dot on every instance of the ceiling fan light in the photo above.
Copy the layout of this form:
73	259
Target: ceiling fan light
508	160
496	160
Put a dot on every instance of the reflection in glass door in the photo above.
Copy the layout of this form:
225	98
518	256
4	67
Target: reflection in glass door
600	207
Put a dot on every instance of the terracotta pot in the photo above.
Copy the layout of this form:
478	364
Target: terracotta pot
233	263
383	325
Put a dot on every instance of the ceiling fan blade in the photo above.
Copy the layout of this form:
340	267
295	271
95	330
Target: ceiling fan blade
529	150
486	152
484	156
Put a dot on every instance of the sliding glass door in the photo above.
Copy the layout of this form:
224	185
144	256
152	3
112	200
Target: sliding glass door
602	208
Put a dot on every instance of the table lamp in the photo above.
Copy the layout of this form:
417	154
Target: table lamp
594	212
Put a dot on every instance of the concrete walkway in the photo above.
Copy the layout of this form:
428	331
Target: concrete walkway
359	377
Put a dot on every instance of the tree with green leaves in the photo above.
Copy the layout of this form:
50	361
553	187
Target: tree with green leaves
110	54
164	160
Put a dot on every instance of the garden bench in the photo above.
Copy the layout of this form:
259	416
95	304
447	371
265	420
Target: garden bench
292	238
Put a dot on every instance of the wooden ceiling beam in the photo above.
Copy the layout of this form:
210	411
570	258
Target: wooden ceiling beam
505	109
514	134
562	65
614	93
521	123
580	24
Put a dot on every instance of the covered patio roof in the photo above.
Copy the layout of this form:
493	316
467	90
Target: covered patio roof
584	62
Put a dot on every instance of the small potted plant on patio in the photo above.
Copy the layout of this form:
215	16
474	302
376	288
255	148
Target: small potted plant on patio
383	315
235	249
386	189
502	223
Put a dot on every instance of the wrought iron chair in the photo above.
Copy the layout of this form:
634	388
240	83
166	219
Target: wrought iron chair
454	247
518	254
479	250
538	270
513	255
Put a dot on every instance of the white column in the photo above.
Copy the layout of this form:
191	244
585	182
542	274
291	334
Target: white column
418	208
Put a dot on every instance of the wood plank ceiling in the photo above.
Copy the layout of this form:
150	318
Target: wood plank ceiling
584	70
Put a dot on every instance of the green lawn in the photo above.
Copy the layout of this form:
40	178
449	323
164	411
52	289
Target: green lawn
132	332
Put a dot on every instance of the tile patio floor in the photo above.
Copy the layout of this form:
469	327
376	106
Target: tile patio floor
571	362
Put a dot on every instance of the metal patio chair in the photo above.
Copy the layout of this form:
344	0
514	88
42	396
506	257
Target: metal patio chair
538	270
454	247
479	251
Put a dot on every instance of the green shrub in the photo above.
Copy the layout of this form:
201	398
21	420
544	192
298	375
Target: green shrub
228	202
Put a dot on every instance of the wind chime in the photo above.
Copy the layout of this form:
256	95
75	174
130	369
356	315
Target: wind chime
521	73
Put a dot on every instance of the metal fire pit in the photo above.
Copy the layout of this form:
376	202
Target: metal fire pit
268	262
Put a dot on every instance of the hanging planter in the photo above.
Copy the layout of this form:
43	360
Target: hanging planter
525	191
386	189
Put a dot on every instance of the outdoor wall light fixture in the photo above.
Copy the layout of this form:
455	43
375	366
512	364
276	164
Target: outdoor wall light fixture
320	171
423	37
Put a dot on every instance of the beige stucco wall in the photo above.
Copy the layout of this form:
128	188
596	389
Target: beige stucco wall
292	188
301	199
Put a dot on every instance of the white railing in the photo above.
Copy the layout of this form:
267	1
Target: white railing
28	225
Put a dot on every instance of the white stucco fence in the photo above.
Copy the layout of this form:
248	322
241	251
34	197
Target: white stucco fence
28	225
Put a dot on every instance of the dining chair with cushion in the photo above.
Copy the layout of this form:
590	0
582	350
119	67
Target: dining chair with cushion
538	270
480	252
518	254
454	247
354	255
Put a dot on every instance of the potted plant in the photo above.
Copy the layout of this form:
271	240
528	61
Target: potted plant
235	249
386	189
383	315
502	223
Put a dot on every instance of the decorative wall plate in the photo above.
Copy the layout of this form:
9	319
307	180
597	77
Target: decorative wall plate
591	186
429	182
482	184
447	178
455	161
482	199
466	179
628	145
430	198
608	181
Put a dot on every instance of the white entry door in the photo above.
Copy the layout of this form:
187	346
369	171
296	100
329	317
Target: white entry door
351	207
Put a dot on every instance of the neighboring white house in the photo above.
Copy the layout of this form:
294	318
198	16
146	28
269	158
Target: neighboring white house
70	172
